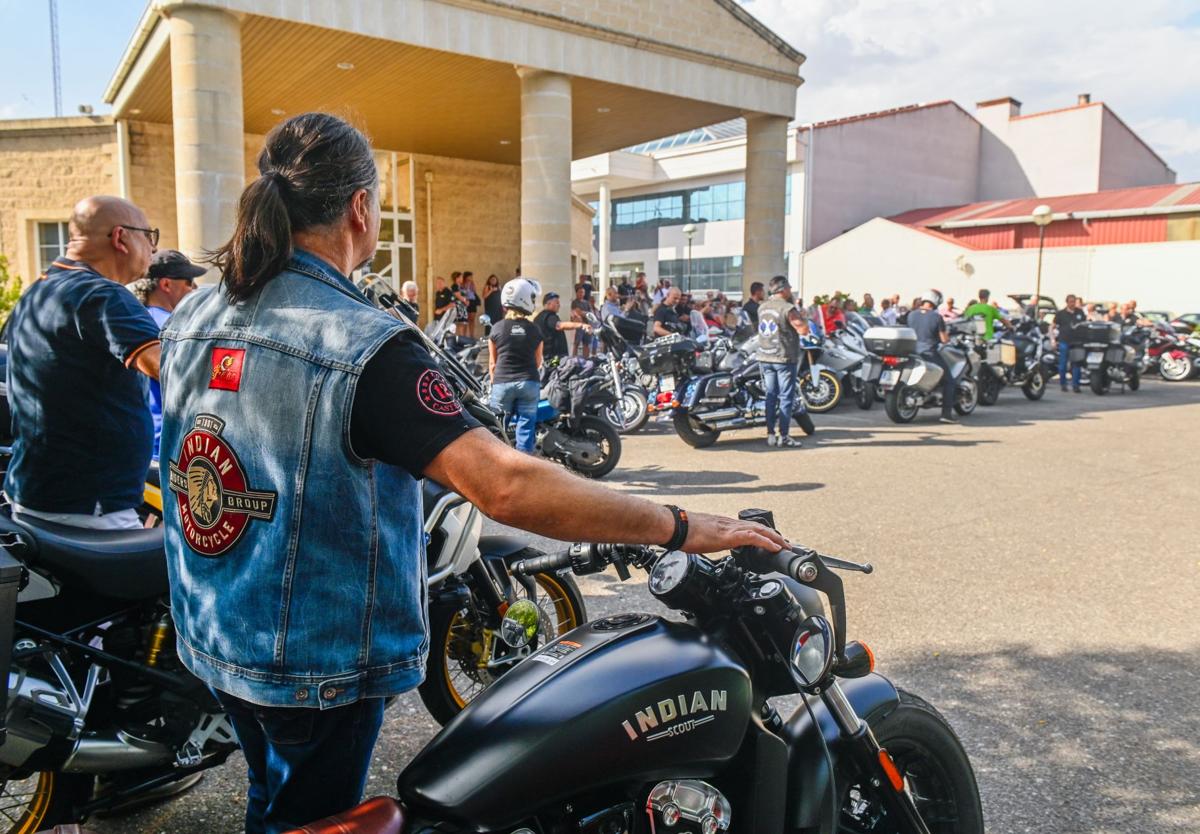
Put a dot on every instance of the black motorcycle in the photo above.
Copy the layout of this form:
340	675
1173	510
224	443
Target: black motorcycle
712	403
636	723
1108	354
1009	359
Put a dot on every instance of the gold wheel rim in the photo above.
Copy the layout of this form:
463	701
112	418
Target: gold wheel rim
565	618
24	812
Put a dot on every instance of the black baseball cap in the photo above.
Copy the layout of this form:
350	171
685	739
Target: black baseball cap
548	297
171	263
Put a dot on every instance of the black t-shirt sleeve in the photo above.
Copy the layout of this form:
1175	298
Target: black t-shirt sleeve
550	324
404	411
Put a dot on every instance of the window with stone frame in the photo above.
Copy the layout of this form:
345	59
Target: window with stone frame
51	243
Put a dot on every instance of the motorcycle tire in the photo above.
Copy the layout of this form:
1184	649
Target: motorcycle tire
629	415
989	389
1099	382
1135	380
931	759
805	422
602	433
823	395
692	432
965	403
864	397
1035	387
1176	370
897	410
454	677
43	800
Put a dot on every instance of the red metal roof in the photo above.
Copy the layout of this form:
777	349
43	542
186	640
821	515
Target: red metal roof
1172	196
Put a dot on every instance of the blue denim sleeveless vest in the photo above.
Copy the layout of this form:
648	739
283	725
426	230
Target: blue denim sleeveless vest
297	569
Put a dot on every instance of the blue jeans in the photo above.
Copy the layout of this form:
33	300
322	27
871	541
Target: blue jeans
520	399
779	378
1064	359
304	763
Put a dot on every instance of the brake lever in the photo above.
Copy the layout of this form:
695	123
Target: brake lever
842	564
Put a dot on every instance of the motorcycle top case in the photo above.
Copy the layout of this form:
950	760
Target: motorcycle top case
1097	332
891	341
626	700
631	327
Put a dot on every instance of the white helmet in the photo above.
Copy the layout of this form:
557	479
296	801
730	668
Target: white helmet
934	297
520	294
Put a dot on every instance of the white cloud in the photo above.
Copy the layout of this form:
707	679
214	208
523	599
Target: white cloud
1140	58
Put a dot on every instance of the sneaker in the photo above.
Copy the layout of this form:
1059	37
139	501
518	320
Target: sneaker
789	442
948	420
1064	389
772	440
1076	389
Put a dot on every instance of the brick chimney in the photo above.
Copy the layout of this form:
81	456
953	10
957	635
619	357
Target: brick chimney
1085	98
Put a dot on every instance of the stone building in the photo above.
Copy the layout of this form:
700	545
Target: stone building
477	108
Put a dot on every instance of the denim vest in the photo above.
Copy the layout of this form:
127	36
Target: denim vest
297	569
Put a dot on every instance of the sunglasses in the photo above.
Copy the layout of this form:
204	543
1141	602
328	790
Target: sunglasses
151	234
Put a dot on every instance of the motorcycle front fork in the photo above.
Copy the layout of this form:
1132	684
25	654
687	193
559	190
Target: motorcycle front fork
873	761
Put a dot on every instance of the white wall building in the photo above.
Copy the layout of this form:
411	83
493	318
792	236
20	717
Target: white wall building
842	173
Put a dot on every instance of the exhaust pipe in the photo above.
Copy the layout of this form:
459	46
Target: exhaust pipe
115	750
710	417
736	423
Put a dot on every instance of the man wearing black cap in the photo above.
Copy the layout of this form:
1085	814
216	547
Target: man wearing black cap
552	327
170	277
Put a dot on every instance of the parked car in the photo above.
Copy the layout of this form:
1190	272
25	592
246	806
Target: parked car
1187	323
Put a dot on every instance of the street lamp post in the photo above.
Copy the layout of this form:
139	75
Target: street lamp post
1042	215
689	231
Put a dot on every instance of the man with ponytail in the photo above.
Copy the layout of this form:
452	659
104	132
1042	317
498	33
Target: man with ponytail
298	422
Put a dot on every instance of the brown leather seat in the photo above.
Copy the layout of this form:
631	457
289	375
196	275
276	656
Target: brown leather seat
381	815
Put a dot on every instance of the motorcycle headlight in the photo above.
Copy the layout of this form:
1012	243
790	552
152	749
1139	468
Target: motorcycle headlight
812	652
669	572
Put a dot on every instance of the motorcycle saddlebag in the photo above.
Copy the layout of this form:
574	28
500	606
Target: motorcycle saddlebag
716	389
1002	353
10	583
891	341
1116	355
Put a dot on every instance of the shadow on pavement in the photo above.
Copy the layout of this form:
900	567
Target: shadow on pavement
653	480
1084	737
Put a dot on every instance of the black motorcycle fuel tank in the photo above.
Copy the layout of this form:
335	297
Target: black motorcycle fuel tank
629	699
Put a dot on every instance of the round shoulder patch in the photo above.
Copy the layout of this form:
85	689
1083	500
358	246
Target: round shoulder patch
436	395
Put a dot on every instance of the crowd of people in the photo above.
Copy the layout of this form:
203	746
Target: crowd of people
283	383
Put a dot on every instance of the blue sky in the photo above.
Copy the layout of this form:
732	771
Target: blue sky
1142	59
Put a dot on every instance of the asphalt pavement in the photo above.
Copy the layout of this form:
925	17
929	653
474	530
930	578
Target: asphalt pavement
1037	576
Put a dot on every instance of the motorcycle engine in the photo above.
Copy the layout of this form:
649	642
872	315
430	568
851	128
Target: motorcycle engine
687	805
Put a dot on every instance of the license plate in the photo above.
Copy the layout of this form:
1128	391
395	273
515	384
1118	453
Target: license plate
667	384
1095	358
889	378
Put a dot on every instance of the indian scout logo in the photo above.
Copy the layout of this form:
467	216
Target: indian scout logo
670	709
215	504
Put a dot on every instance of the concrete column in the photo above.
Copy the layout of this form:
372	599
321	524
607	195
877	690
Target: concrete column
546	180
604	245
206	102
766	190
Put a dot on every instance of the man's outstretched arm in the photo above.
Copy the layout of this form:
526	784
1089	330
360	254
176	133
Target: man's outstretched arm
543	498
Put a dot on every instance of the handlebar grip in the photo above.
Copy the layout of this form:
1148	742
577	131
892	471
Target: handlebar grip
543	564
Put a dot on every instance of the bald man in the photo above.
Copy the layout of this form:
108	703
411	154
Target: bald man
77	340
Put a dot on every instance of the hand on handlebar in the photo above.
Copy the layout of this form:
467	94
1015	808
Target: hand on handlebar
713	533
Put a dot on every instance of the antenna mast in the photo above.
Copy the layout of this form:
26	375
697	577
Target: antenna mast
54	57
